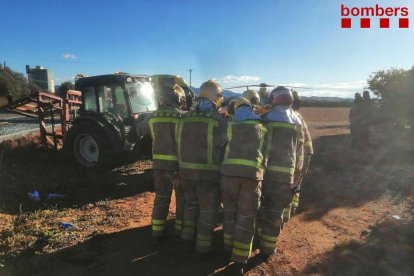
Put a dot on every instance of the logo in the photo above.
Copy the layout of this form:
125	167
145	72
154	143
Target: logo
367	17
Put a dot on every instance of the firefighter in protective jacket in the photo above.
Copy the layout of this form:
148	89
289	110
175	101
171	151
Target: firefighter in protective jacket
201	140
162	126
304	155
242	173
283	140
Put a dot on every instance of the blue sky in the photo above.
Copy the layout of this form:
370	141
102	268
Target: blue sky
236	42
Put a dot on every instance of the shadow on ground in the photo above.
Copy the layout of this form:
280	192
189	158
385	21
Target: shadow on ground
129	252
343	177
388	250
25	169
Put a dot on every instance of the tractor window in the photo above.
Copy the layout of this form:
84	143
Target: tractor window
141	96
112	99
90	99
105	99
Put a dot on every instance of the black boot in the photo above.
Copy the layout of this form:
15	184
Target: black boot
236	269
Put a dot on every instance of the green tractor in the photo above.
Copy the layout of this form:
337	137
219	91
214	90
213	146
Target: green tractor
111	105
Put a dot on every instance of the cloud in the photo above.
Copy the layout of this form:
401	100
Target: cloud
334	89
342	85
69	56
338	89
231	79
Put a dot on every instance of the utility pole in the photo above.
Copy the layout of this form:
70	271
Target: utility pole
190	70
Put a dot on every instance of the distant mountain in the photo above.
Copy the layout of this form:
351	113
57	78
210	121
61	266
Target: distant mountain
229	94
325	99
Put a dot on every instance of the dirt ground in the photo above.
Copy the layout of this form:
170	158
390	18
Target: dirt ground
355	216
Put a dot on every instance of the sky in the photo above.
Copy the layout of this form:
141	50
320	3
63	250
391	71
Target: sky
297	42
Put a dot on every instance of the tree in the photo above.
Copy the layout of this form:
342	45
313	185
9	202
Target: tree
64	87
14	85
396	88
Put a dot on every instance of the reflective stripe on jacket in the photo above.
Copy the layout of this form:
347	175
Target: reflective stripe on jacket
201	139
307	143
163	126
244	151
282	142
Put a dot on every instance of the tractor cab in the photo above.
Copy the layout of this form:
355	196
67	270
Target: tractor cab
111	106
121	95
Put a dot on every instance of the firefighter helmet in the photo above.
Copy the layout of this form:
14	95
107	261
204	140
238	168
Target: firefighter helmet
252	96
212	91
174	95
237	102
281	96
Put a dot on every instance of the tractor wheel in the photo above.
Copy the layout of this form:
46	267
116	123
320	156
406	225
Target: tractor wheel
85	144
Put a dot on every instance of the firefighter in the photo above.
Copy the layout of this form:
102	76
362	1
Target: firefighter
282	142
366	120
355	119
304	155
253	97
242	173
264	95
201	141
162	126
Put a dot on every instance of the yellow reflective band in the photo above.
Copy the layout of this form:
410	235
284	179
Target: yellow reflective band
286	212
240	245
189	222
243	253
301	157
282	169
203	243
295	199
308	144
165	157
188	230
228	236
178	221
163	120
197	166
203	237
158	221
268	244
244	162
158	228
269	238
249	122
228	241
210	143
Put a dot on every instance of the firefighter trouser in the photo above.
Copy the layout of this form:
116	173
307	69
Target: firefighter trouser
241	202
165	182
202	200
291	208
276	196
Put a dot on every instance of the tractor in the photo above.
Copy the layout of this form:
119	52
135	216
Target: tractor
111	106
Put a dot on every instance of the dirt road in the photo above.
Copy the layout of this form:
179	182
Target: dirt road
355	216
